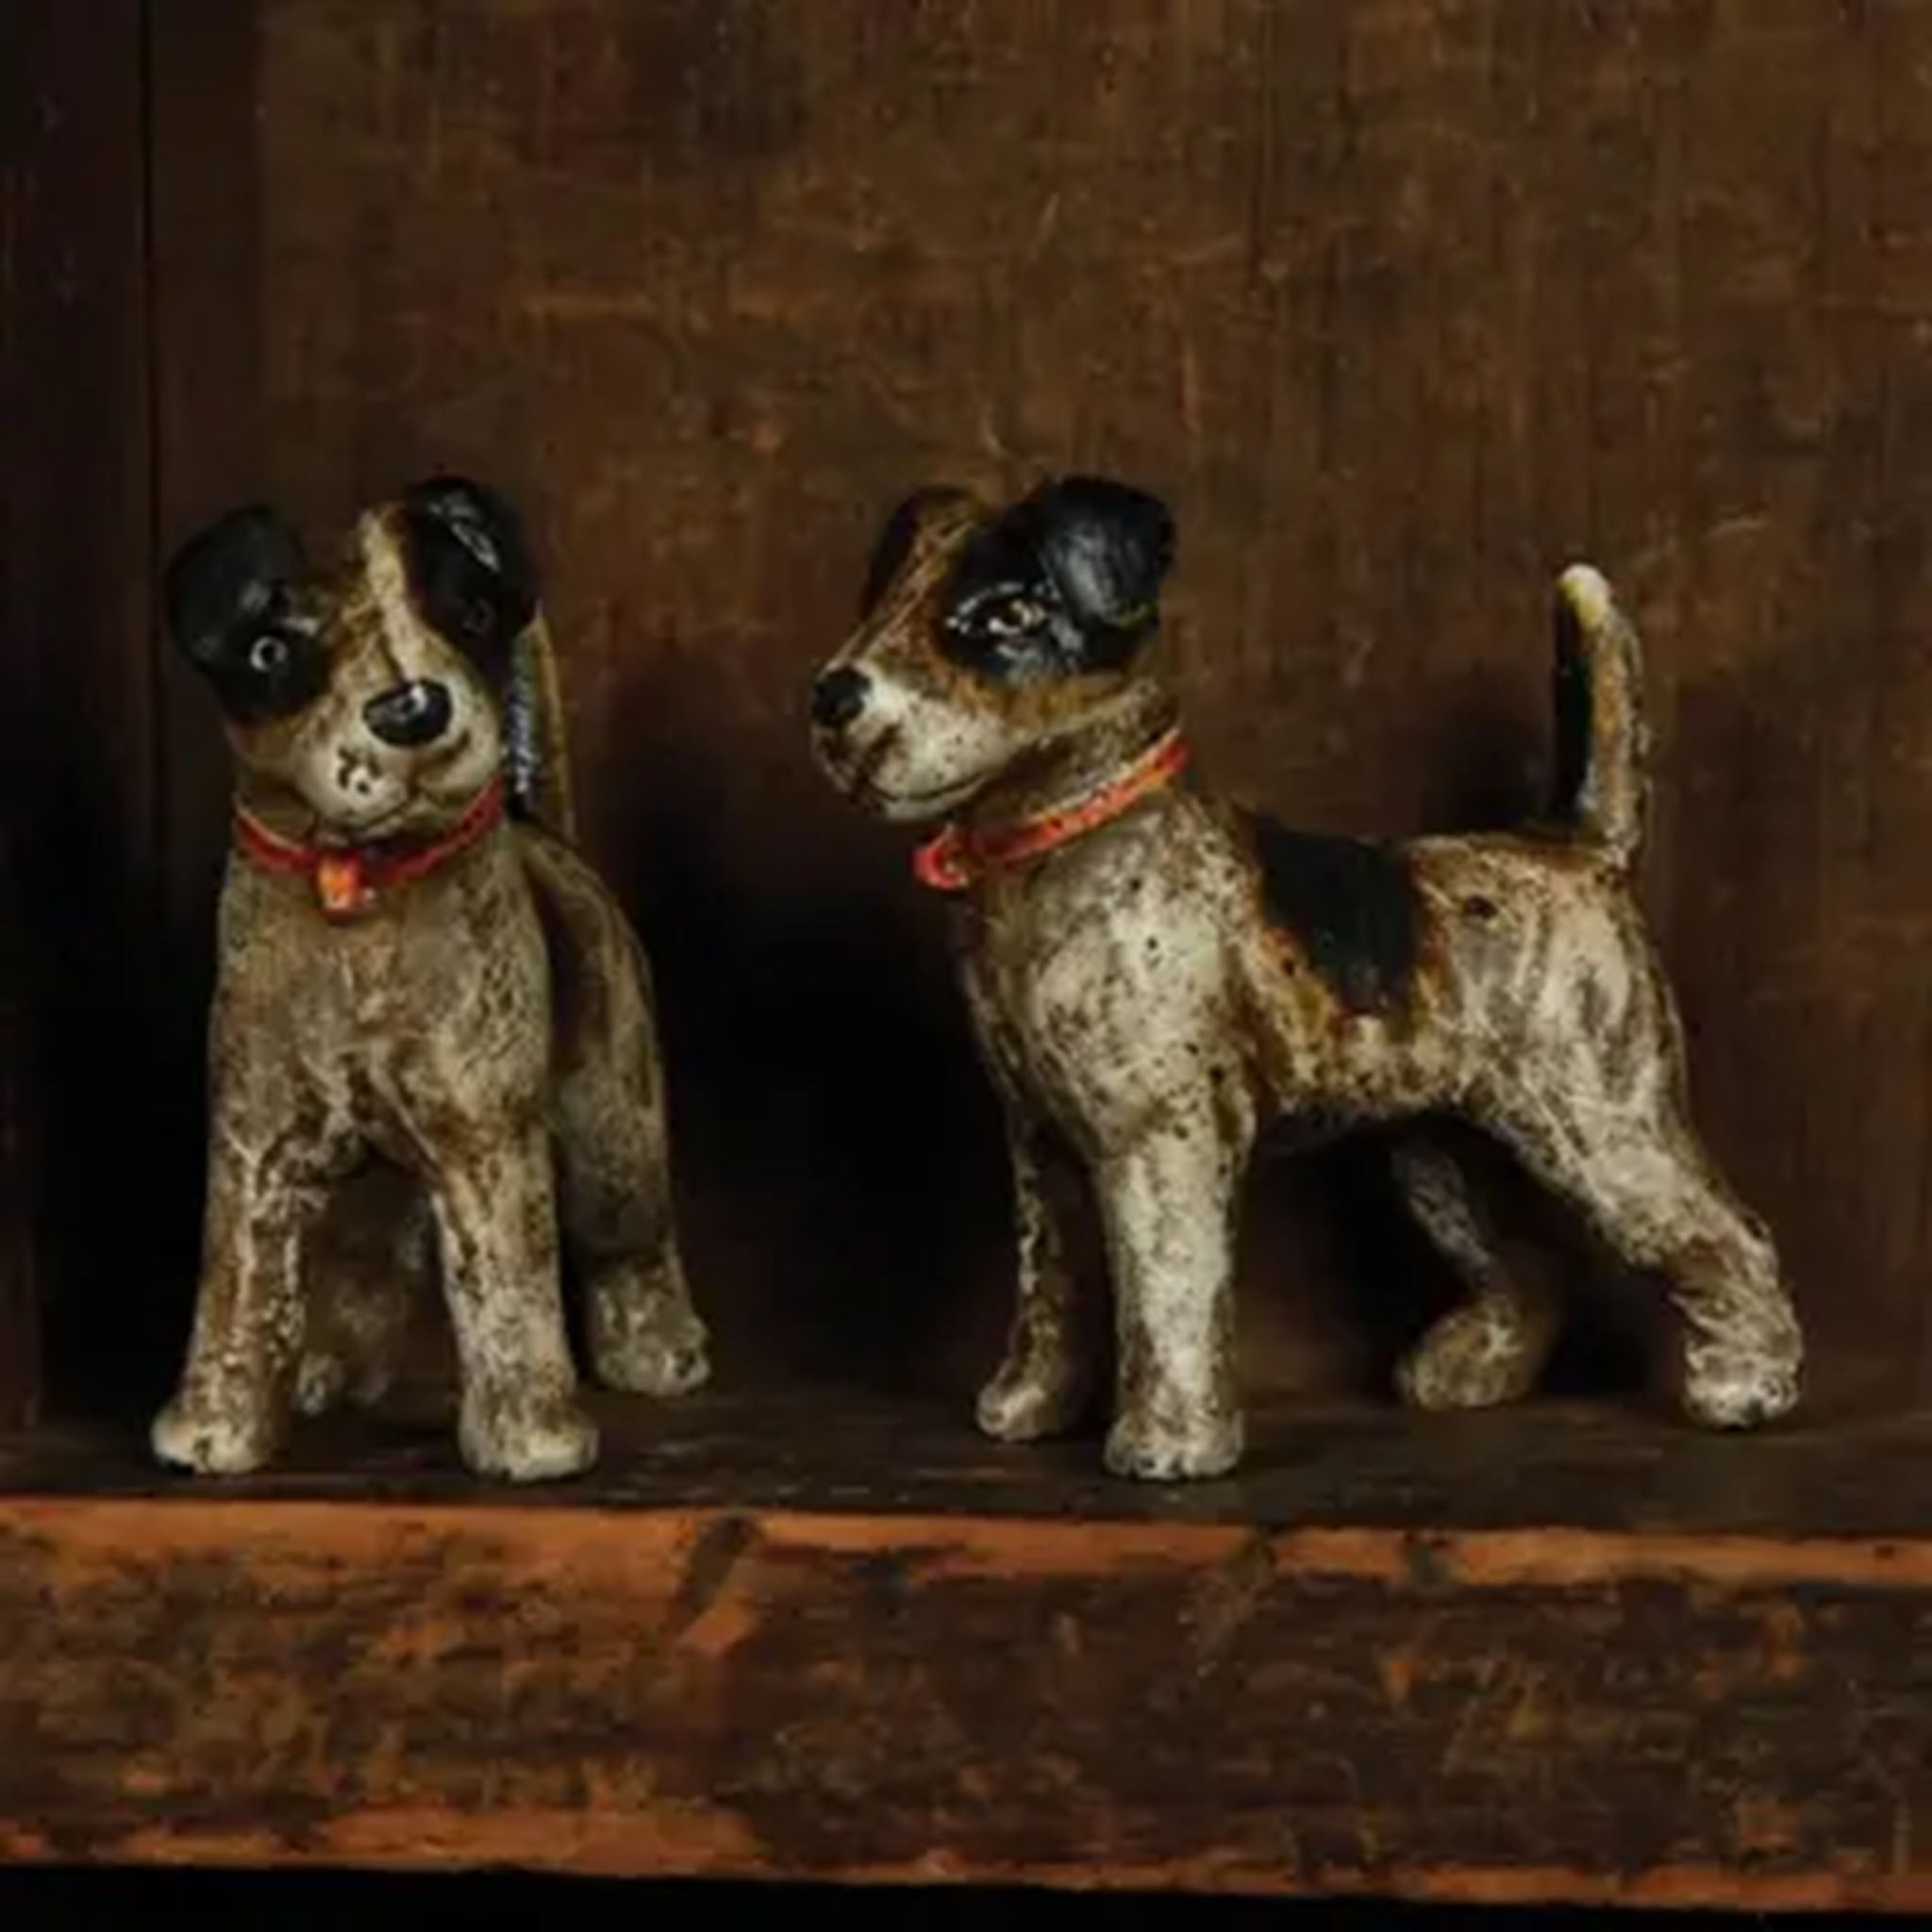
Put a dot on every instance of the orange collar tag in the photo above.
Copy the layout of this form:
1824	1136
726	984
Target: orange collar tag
350	878
954	858
339	885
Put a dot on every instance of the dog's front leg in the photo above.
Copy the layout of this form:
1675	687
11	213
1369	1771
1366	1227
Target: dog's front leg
491	1189
266	1173
1168	1201
1044	1385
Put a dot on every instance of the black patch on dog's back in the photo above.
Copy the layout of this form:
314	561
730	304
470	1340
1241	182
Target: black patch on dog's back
1349	905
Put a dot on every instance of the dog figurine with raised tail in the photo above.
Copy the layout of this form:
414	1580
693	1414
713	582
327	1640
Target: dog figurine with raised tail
417	976
1154	976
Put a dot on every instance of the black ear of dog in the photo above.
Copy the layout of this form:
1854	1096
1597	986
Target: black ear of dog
895	544
228	597
1107	547
231	574
470	568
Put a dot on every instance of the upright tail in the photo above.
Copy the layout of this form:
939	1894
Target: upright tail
538	751
1603	743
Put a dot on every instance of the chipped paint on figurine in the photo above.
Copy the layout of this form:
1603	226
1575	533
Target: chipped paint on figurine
1154	977
414	980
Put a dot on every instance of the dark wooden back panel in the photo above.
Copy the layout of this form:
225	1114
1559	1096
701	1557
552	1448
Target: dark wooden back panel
81	1002
1402	305
20	1310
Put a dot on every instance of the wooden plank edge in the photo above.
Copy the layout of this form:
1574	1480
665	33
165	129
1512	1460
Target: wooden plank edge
626	1845
950	1546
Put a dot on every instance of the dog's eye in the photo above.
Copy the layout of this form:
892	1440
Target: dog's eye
479	619
268	654
1012	617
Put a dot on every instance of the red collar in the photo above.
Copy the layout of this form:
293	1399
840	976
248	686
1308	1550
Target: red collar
955	857
348	878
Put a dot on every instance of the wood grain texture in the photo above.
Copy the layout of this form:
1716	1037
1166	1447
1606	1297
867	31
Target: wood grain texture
20	1303
76	716
945	1692
1586	1466
1402	304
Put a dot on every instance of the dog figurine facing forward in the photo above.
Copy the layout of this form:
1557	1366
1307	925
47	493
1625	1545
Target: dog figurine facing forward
1154	976
416	971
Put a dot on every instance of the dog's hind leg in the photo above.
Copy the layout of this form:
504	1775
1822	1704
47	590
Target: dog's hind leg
1649	1190
613	1164
1492	1347
611	1137
1046	1382
371	1267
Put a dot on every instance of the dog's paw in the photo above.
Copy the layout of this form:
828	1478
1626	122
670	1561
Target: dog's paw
1026	1400
1474	1356
525	1440
1739	1383
645	1337
326	1379
673	1364
213	1438
321	1381
1160	1452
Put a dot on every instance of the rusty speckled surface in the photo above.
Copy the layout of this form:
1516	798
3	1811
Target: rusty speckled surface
474	1010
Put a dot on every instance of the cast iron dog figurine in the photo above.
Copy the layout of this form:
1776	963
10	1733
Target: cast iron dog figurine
1154	976
415	971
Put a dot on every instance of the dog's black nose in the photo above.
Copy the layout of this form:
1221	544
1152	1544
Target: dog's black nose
839	695
413	713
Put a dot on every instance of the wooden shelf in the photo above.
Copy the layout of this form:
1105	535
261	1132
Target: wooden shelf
1548	1654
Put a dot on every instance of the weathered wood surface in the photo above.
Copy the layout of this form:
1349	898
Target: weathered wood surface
1581	1466
983	1683
1402	304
